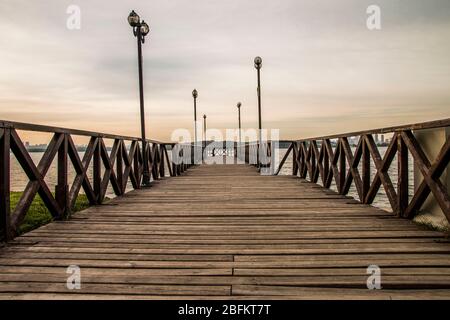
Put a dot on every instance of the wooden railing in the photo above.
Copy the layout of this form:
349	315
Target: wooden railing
254	153
120	164
330	158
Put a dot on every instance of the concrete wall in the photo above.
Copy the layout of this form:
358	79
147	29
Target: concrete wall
431	141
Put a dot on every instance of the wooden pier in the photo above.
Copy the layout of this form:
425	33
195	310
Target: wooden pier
227	232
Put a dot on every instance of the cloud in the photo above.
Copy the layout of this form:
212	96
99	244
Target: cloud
319	63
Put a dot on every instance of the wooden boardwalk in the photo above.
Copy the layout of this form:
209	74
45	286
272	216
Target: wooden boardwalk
225	232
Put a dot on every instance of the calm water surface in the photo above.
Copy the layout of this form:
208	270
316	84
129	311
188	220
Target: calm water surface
381	200
19	180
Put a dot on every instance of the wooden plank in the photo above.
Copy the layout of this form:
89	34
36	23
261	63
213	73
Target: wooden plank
118	271
236	237
339	294
343	257
134	289
412	272
229	242
27	254
303	249
348	281
114	261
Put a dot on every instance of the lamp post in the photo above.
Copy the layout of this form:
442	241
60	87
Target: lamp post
194	146
140	30
195	95
258	64
204	128
239	119
238	148
204	133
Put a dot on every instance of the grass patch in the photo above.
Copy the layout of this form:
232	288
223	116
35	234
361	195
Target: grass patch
434	227
38	214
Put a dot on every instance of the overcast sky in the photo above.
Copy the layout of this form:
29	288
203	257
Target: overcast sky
323	70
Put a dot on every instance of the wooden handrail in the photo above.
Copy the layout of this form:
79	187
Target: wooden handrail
75	132
318	160
415	126
113	167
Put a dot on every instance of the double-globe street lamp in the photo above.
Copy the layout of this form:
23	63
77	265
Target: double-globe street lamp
195	95
239	120
258	65
239	147
140	30
204	134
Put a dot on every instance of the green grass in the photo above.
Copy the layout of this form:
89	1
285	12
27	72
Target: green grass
434	227
38	213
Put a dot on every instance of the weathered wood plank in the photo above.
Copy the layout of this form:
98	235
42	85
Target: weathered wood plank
339	294
347	281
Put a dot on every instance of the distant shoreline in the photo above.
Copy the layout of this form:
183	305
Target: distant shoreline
282	145
43	149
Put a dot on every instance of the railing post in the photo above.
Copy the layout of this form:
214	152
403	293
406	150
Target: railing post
119	167
365	162
155	161
181	161
62	188
326	163
136	165
342	166
303	160
185	159
246	153
97	170
403	180
314	164
5	209
181	165
162	162
174	169
258	163
294	159
174	161
203	147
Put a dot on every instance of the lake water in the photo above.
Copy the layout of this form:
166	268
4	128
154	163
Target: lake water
19	179
381	199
